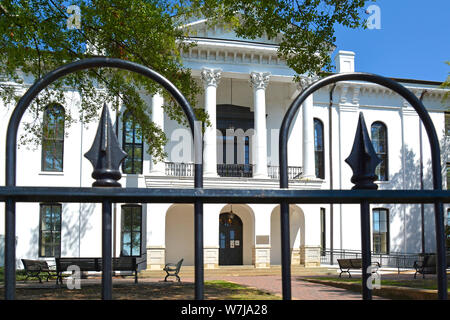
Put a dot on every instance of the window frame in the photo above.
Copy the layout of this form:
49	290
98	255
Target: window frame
323	231
55	140
319	155
387	213
134	145
122	231
383	156
58	246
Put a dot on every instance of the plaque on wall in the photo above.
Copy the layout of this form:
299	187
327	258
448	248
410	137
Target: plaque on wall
263	240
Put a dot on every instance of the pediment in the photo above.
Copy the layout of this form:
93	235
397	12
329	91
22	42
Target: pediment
202	29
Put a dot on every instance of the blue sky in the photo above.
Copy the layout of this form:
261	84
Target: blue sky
413	42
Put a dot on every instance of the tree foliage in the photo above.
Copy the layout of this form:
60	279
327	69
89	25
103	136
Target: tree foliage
35	39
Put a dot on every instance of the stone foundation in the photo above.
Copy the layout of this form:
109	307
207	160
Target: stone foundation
156	258
295	257
261	257
310	256
211	258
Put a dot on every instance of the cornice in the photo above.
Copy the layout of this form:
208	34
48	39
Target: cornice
230	183
233	53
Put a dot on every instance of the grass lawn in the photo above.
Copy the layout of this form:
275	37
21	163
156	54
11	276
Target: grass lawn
429	284
214	290
397	289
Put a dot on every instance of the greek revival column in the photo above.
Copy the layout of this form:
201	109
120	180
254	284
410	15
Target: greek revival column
259	81
158	169
309	170
211	78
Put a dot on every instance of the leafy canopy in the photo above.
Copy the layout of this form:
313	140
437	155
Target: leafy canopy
35	39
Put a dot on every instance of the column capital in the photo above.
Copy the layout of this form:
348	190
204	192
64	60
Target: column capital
306	82
211	77
259	80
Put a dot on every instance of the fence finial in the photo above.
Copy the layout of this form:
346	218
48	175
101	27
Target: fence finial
106	155
363	159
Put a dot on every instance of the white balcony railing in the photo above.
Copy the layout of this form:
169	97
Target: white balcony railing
174	169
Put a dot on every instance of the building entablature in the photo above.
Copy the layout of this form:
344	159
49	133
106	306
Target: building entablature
232	183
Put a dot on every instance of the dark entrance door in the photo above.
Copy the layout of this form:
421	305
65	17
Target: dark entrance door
230	239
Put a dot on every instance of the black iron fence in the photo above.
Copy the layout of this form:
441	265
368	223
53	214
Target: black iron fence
106	157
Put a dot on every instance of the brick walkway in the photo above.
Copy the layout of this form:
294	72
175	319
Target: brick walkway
301	290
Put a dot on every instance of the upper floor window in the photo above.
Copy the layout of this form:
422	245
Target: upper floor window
132	145
50	230
319	153
53	138
380	233
380	144
131	230
447	124
234	145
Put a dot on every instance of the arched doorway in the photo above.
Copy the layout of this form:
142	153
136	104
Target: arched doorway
230	239
179	235
296	232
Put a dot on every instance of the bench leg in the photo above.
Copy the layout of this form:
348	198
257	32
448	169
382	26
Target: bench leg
178	278
135	277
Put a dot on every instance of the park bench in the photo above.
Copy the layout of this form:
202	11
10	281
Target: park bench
95	264
34	268
347	264
427	264
173	269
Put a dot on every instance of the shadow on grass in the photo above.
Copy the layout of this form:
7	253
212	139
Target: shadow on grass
399	289
214	290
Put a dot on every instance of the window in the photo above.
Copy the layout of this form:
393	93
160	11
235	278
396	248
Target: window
50	230
448	175
131	230
319	149
380	231
323	230
53	138
447	124
234	150
132	145
380	144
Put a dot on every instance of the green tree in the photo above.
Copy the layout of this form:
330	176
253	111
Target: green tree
35	39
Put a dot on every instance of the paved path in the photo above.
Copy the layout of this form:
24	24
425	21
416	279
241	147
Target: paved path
301	290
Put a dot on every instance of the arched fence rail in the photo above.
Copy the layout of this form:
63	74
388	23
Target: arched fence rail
10	193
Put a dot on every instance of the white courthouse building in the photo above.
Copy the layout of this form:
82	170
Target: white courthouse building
248	89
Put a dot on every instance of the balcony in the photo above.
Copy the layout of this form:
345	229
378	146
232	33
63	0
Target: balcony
174	169
235	170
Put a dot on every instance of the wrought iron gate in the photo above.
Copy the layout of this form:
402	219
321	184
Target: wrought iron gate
106	190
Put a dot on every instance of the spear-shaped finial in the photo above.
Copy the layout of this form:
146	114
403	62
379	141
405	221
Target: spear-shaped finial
363	159
106	154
